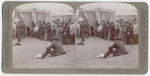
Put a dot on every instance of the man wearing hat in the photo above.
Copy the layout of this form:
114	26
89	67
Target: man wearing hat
56	46
87	26
96	25
18	31
82	30
119	48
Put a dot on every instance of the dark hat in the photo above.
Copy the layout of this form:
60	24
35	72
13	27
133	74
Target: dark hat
54	38
117	38
96	20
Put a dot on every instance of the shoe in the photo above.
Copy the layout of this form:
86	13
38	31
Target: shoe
16	44
81	43
64	53
40	58
19	44
103	58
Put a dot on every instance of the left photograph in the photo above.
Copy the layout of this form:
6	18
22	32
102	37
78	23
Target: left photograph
43	36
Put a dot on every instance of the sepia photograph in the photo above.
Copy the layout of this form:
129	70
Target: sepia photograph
107	36
43	36
54	35
75	37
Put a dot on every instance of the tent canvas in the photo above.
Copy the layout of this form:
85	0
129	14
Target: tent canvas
31	15
28	16
41	11
96	14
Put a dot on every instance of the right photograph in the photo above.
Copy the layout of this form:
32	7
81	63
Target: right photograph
107	36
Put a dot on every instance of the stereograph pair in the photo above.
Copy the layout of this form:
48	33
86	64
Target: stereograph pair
75	37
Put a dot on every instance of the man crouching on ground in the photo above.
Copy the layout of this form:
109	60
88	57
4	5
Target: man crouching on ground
119	48
57	48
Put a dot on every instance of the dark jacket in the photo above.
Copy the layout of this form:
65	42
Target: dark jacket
57	48
18	28
82	27
41	29
47	28
119	48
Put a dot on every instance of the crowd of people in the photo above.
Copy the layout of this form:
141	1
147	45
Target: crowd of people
64	30
63	33
108	30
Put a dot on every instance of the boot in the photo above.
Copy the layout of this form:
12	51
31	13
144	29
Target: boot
44	55
106	54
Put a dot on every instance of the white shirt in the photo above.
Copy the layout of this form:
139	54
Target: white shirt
117	26
53	26
99	28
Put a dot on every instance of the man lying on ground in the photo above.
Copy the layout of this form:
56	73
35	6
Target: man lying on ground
57	48
119	48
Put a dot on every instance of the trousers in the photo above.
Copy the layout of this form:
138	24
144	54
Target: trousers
110	52
48	51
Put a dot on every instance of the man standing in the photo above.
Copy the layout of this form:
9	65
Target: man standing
42	30
119	48
135	32
23	29
99	30
53	29
87	25
66	33
109	31
112	31
57	48
105	30
72	33
82	31
18	32
95	28
47	30
117	27
59	31
38	31
32	34
123	32
78	30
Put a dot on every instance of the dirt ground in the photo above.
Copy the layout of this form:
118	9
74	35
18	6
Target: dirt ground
80	56
23	56
87	55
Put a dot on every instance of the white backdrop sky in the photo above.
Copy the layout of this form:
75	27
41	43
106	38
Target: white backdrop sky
45	6
120	8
